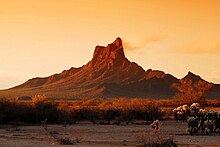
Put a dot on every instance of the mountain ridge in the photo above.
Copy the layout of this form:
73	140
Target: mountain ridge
111	74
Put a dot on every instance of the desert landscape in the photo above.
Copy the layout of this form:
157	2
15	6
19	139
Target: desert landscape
90	135
95	73
113	122
110	75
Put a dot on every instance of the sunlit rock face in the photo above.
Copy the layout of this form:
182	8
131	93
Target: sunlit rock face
111	74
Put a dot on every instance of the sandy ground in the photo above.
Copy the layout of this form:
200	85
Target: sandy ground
89	135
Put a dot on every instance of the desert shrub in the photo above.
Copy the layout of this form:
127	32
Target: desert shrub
128	116
23	113
213	103
87	114
190	98
152	139
153	113
15	112
65	141
47	110
106	110
11	111
109	115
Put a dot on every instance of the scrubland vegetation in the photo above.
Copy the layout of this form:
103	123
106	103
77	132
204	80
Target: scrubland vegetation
21	116
106	111
96	111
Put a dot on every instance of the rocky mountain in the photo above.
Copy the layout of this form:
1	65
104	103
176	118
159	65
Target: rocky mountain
111	74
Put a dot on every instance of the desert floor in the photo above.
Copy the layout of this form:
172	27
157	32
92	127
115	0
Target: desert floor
89	135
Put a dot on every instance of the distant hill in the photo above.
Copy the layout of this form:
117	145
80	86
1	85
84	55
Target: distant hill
110	74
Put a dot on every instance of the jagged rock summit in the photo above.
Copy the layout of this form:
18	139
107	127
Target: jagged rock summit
192	76
111	74
113	52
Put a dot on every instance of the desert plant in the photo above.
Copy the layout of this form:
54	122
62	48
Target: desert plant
152	139
65	141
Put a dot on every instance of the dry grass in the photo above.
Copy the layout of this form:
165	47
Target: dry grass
155	139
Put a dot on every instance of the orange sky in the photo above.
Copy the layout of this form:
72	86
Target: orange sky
42	37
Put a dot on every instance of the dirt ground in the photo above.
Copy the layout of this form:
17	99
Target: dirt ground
86	134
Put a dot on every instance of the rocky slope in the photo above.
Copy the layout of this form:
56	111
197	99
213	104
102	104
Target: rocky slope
111	74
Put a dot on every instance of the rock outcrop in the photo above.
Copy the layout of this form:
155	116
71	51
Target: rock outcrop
111	74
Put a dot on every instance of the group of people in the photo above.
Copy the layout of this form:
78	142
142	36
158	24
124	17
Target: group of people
208	121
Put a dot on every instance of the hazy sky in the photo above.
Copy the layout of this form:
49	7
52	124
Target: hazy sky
42	37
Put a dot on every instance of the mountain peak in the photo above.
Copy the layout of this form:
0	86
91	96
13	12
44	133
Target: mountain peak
192	76
114	52
111	74
110	62
118	42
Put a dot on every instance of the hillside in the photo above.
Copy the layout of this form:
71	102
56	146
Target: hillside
111	74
